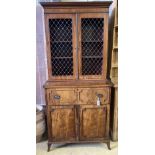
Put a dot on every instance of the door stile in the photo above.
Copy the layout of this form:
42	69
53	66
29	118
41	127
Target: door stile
77	122
77	48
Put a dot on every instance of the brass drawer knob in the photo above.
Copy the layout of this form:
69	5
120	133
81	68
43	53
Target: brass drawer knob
99	95
57	97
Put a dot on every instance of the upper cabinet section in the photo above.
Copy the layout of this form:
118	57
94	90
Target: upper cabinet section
76	40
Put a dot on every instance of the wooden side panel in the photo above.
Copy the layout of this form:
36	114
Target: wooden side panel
62	96
114	115
89	95
62	123
93	122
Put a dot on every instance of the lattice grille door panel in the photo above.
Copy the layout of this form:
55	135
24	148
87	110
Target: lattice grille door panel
91	66
92	45
61	47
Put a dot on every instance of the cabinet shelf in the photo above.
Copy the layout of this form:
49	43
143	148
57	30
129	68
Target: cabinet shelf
116	26
114	65
92	57
93	41
115	47
57	41
62	57
115	50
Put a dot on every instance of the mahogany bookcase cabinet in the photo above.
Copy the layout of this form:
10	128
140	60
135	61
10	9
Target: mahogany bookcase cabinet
77	91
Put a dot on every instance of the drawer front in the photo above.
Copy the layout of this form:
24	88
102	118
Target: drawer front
91	95
62	96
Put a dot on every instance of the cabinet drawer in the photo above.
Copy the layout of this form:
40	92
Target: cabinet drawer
62	96
91	95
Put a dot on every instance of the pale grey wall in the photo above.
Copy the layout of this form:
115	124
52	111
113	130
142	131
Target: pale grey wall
41	71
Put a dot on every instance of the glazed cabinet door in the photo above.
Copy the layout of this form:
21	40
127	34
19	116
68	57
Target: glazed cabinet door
92	42
94	122
61	45
61	123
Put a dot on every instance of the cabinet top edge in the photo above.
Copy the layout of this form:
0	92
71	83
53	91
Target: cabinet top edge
103	4
77	83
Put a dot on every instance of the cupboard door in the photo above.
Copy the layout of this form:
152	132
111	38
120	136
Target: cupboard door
94	122
62	123
61	45
92	45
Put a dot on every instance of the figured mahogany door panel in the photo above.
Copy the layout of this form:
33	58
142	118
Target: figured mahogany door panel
91	95
92	42
93	122
62	123
62	96
61	45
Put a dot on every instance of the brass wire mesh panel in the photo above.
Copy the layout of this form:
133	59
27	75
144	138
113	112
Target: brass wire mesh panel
63	49
60	30
92	66
61	46
92	29
92	45
92	48
61	67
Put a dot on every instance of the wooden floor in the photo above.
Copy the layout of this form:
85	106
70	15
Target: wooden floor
77	149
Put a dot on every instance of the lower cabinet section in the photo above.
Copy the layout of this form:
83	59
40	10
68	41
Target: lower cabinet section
78	123
78	114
